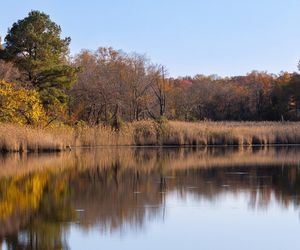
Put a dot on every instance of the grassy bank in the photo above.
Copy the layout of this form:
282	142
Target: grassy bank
14	138
149	133
175	133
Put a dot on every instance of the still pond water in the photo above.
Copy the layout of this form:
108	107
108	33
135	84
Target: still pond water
151	198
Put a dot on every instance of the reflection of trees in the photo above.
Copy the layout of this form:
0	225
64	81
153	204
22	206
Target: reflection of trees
260	182
149	159
112	204
113	192
37	218
113	199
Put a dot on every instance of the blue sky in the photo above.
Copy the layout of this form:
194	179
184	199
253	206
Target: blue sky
224	37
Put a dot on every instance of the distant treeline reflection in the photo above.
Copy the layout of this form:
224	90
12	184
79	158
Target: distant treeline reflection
115	188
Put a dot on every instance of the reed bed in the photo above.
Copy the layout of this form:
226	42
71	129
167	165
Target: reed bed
14	138
176	133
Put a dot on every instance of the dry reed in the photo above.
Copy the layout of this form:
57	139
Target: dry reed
175	133
14	138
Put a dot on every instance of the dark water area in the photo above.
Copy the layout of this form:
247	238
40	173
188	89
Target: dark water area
151	198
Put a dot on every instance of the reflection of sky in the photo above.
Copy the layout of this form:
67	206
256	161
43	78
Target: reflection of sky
191	223
4	247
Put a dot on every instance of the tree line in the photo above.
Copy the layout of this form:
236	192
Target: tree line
41	84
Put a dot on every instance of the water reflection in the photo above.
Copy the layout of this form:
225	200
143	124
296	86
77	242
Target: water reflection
121	190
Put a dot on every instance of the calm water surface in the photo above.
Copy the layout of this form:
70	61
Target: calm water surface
150	198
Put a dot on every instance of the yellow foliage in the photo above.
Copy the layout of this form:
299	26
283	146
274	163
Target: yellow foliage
19	105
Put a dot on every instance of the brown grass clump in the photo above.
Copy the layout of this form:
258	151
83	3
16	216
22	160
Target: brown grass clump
14	138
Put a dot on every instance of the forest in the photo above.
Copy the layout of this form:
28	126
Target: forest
41	84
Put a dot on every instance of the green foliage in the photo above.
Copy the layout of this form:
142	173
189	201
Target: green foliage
35	46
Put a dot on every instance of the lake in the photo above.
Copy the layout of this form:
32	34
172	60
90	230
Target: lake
151	198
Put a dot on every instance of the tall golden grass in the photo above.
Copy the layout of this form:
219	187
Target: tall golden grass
149	133
14	138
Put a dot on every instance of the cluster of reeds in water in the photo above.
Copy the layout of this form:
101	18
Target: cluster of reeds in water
149	133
